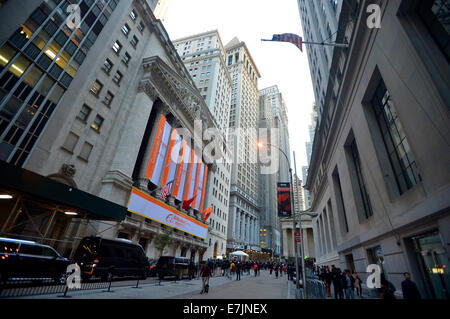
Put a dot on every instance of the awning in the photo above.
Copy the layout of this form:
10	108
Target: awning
21	180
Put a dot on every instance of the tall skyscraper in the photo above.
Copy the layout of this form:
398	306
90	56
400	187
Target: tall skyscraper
204	57
243	219
320	21
273	123
160	8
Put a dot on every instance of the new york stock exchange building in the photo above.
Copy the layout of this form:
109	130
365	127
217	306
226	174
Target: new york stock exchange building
111	139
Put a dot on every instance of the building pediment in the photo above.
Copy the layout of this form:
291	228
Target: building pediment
181	97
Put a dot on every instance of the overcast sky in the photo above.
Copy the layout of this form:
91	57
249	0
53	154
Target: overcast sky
279	63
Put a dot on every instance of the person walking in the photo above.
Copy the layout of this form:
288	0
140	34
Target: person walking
276	270
387	289
328	278
358	286
409	288
270	269
349	285
255	268
232	269
205	274
238	270
337	286
191	269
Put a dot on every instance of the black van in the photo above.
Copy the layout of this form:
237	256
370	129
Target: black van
169	266
106	258
23	259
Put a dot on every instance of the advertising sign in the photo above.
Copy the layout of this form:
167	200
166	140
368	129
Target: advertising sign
145	205
284	199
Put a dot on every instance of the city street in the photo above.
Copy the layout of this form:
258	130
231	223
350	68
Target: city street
249	287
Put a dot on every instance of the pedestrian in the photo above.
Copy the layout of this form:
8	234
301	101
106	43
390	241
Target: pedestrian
409	288
281	269
336	279
387	289
191	269
349	285
238	270
205	274
358	286
328	278
255	268
276	271
271	269
232	269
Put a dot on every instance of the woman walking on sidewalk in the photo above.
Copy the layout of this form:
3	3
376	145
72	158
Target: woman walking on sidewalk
205	274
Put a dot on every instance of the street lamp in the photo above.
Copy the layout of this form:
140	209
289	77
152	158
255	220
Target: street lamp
294	224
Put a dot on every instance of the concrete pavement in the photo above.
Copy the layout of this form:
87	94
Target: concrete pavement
249	287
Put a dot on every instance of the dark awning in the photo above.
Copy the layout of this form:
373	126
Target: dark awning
19	179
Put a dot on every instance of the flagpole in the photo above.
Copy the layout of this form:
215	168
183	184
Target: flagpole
341	45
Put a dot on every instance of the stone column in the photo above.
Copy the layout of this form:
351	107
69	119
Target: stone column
328	232
324	241
238	225
319	236
285	243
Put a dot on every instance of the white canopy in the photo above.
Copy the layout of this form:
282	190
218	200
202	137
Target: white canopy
238	253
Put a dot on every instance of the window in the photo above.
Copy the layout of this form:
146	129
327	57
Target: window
340	200
96	88
71	142
396	144
126	29
98	121
361	189
141	27
133	15
117	77
86	151
134	42
117	46
84	113
126	58
108	98
107	66
434	14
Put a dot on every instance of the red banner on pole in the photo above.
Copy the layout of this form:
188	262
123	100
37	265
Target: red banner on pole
297	237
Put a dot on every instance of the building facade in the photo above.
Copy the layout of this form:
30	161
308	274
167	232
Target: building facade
243	219
319	23
96	108
204	57
379	172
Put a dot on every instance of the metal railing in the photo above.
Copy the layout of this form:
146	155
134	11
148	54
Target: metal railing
24	287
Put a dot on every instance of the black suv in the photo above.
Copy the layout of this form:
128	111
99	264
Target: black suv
23	259
107	258
169	266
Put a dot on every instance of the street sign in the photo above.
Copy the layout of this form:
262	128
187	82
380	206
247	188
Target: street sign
297	237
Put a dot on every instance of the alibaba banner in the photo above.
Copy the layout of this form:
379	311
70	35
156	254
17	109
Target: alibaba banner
284	199
145	205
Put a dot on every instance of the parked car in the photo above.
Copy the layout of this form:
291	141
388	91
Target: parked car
169	266
107	258
152	268
23	259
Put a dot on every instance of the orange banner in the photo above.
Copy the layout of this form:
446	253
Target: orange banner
155	149
205	176
176	187
189	176
173	139
197	180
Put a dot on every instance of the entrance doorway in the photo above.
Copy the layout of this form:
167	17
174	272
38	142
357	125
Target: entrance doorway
215	251
433	263
350	262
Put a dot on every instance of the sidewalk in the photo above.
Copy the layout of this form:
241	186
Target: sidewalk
167	289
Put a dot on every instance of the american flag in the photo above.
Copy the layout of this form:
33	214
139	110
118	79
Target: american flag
289	37
166	189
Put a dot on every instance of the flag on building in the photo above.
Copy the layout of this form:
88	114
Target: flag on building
206	213
289	37
166	190
187	203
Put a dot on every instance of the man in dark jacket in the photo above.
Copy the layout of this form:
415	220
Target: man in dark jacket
337	283
409	288
238	270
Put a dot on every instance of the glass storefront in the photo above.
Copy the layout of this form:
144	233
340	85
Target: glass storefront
433	263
